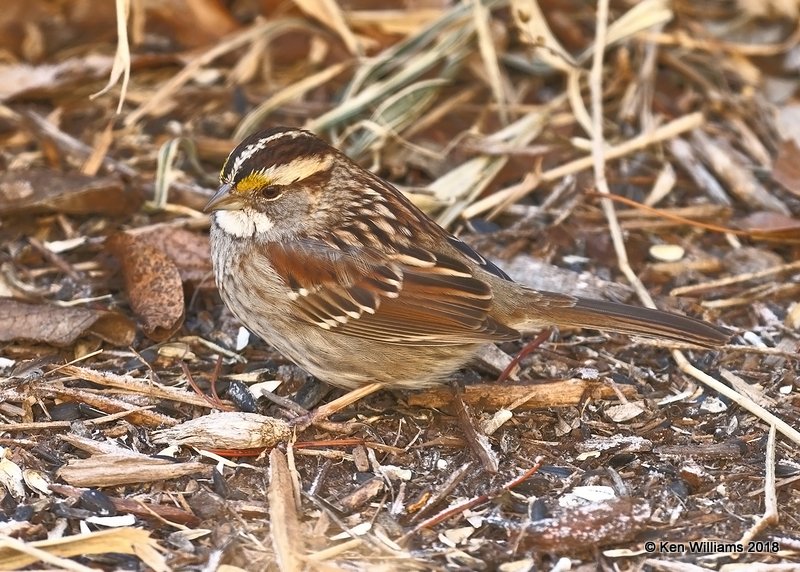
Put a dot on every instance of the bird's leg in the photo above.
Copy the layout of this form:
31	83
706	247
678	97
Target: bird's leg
322	412
527	348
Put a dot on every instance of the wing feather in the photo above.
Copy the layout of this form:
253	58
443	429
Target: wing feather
412	298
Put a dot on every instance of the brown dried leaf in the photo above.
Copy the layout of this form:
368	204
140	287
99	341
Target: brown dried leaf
61	326
771	226
47	190
153	285
190	251
786	169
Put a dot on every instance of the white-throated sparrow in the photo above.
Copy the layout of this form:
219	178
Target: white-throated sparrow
341	273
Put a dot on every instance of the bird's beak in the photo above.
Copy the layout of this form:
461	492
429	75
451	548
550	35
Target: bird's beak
224	200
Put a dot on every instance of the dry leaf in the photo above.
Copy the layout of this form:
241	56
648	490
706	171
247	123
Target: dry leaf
624	411
190	251
786	169
48	190
771	226
192	23
153	284
61	326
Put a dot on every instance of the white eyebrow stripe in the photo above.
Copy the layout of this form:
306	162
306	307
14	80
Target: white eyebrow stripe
254	148
300	168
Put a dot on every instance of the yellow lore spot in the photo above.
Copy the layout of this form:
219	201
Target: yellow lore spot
253	181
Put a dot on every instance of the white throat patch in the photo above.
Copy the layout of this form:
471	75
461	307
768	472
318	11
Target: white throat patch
243	223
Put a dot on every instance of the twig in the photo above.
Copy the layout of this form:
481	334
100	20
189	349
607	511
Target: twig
475	501
478	443
741	400
770	515
443	490
36	425
731	280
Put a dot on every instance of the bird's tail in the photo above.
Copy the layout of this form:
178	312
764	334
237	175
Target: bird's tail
563	310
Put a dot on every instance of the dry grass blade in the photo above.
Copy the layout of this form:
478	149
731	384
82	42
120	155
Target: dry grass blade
328	13
35	554
397	55
452	47
715	45
736	279
405	22
460	186
122	59
642	16
166	173
267	30
740	180
396	113
516	192
489	57
256	117
446	41
15	554
530	20
133	385
771	514
742	400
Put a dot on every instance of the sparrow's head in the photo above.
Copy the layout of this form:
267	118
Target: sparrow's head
288	184
272	183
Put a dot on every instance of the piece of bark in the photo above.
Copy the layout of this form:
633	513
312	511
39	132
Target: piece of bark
564	393
287	542
108	470
597	524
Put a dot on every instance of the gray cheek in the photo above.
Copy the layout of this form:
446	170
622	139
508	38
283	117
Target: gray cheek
290	212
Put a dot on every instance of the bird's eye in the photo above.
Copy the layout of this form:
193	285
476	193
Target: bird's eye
272	192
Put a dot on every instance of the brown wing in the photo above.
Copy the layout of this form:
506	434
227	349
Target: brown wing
414	298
